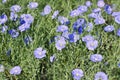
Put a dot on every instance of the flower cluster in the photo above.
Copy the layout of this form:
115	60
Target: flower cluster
67	33
79	27
23	23
91	43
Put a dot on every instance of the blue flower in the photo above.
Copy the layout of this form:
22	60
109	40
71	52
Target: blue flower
100	3
99	20
39	53
96	58
60	44
73	37
117	19
77	74
65	34
3	19
8	52
88	3
114	6
63	20
96	10
33	5
51	40
118	32
62	28
4	29
108	9
75	26
4	1
13	16
15	70
47	10
2	68
100	76
52	58
13	33
89	27
82	9
92	44
56	38
118	65
87	38
115	14
27	40
22	21
15	8
80	22
94	15
80	30
109	28
24	27
74	13
27	18
55	14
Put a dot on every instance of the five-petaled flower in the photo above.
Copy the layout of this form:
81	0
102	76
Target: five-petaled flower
15	70
39	53
77	74
96	57
101	76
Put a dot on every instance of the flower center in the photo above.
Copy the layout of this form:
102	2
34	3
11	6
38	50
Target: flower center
40	53
92	44
88	39
109	29
16	71
77	74
96	59
61	45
